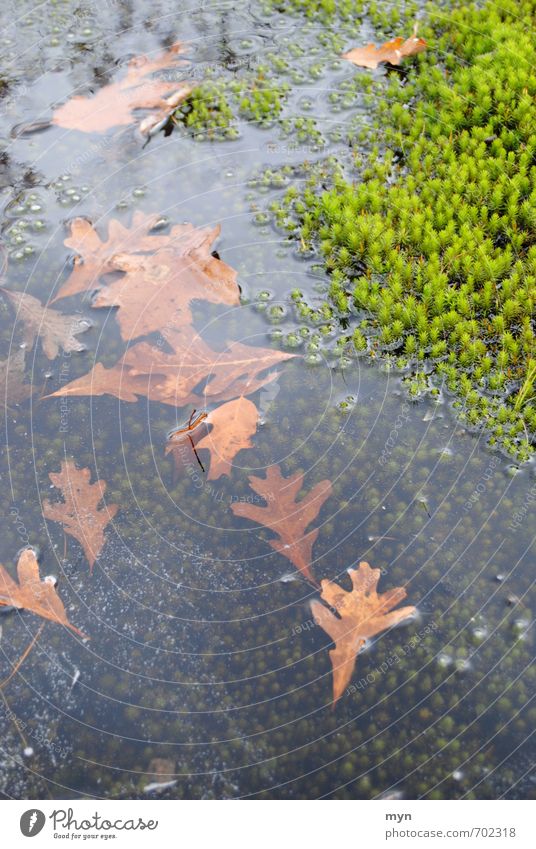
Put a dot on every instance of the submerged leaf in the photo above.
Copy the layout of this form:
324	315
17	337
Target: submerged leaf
118	381
286	516
93	256
361	614
55	329
79	513
391	52
233	425
192	375
31	593
155	291
114	104
11	379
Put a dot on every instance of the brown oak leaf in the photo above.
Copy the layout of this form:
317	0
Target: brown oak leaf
391	52
114	104
193	374
31	593
155	291
360	615
79	513
286	516
118	381
233	425
12	388
55	329
93	255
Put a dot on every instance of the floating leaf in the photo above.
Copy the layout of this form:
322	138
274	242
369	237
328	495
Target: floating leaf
192	375
79	513
361	614
286	516
55	329
93	255
11	379
114	104
391	52
155	291
31	593
233	425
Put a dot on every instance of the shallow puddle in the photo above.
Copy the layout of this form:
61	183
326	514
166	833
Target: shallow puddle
203	650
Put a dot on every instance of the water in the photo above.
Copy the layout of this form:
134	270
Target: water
201	651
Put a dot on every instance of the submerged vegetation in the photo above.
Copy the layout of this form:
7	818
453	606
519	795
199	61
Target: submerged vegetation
431	245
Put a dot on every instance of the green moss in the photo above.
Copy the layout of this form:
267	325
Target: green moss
207	113
319	8
216	107
347	11
433	249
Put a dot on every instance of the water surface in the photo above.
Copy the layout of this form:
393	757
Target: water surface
203	650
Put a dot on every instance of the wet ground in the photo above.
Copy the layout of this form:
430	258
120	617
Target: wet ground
202	649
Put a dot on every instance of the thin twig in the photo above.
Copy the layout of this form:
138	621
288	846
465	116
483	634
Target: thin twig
13	718
23	657
195	452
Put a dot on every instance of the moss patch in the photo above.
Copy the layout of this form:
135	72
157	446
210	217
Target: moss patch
432	249
378	13
216	107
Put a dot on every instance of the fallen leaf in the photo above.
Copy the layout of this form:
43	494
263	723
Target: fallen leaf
31	593
287	517
93	255
361	614
55	329
79	512
114	104
11	379
392	52
192	375
117	381
233	425
194	371
156	291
